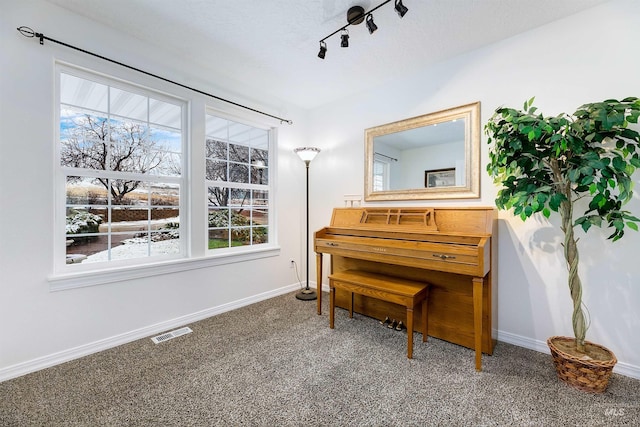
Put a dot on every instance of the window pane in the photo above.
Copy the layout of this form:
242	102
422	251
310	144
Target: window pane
127	192
79	248
216	170
241	236
259	157
165	242
164	217
218	196
260	217
85	191
129	105
83	93
240	197
260	235
127	245
239	133
238	173
129	218
216	149
84	140
216	128
170	164
165	194
259	175
167	140
165	114
218	218
238	153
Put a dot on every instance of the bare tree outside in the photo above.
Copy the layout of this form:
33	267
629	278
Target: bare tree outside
91	142
234	163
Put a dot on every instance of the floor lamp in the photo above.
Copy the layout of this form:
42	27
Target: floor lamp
307	154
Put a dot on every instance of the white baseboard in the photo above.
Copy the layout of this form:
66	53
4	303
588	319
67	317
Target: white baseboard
37	364
621	368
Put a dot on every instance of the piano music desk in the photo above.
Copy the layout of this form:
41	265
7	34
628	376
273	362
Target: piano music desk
408	293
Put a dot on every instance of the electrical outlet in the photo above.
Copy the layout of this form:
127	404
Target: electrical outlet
292	262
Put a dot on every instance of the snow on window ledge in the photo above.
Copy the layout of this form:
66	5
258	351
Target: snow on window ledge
64	281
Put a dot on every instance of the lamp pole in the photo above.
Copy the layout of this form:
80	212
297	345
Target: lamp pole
307	154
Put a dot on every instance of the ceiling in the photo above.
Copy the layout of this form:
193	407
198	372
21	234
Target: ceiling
271	46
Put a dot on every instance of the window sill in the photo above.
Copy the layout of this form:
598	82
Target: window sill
61	282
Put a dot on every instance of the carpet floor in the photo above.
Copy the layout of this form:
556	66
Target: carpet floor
277	363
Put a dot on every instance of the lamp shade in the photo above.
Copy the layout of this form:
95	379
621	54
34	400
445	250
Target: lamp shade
306	153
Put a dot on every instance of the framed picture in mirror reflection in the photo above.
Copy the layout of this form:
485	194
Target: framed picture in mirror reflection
440	178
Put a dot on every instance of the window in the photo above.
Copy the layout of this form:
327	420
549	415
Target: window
121	165
237	182
380	175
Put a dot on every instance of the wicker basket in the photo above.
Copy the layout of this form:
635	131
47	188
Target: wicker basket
586	375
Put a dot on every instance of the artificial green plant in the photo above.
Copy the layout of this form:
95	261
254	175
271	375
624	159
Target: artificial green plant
546	164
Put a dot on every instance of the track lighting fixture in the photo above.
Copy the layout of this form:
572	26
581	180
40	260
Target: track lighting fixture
345	38
400	8
356	15
370	24
323	50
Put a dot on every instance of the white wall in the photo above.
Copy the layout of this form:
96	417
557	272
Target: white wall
40	327
588	57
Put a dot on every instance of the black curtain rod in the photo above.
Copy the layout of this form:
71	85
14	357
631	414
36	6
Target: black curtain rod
388	157
28	32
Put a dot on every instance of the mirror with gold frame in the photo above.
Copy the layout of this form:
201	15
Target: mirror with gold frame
433	156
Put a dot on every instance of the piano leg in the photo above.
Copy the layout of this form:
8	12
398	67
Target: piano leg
477	320
425	326
319	281
332	305
410	332
351	307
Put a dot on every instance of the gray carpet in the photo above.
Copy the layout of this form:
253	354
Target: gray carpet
277	363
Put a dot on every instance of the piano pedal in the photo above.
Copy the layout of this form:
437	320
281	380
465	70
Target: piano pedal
393	324
400	326
385	321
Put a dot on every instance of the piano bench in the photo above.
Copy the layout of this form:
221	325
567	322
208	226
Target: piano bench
405	292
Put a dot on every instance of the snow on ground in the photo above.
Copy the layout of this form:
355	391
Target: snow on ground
136	250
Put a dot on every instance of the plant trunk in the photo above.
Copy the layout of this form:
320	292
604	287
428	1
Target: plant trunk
575	285
571	257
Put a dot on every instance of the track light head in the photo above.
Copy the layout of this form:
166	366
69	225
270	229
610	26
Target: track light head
323	50
400	8
344	38
370	24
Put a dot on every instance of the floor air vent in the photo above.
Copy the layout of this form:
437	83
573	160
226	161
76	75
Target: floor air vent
170	335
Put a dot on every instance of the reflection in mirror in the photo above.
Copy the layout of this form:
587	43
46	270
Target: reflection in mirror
434	156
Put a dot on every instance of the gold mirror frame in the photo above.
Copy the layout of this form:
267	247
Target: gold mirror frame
471	187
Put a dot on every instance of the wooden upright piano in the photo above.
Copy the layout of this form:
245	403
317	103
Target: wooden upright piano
452	249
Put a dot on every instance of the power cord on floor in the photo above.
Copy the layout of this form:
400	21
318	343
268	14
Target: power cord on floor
295	267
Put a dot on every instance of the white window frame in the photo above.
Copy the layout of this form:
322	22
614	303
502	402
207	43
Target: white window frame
193	209
271	244
60	267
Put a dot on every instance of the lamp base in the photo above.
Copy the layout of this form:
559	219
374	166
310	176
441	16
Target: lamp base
307	295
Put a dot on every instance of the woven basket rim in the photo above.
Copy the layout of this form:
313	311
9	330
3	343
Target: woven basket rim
595	363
